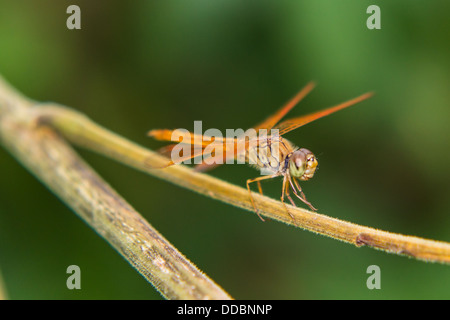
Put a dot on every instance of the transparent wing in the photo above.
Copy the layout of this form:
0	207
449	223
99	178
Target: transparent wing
195	145
268	124
294	123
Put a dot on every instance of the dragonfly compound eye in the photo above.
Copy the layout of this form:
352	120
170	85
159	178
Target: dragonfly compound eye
305	163
297	164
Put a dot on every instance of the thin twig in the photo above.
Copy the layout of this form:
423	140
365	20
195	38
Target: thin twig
3	292
55	163
83	132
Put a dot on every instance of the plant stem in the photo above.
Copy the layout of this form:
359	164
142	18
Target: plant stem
45	154
3	292
80	130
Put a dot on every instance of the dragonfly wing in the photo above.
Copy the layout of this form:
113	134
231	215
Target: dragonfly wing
268	124
189	145
204	166
221	147
230	151
184	136
294	123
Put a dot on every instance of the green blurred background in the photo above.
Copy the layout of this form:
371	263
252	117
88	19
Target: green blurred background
138	65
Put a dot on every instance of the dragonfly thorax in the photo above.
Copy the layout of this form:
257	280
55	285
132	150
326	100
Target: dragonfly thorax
302	164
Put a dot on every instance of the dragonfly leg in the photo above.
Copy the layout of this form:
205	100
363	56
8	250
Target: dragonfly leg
285	190
259	187
257	180
302	197
288	195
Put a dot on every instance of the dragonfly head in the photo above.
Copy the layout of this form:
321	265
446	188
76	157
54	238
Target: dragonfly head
302	164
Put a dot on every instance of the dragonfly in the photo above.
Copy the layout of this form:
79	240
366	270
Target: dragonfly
270	152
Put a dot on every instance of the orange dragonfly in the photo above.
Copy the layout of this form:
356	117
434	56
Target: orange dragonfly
272	152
